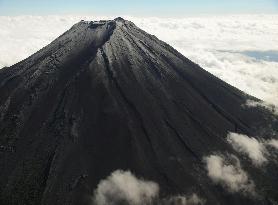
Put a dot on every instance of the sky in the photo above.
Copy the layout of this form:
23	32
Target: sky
136	8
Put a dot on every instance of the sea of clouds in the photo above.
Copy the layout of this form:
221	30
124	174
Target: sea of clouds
240	49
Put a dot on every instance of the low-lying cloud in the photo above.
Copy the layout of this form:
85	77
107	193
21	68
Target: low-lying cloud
272	108
220	44
122	187
250	146
256	149
228	174
273	143
194	199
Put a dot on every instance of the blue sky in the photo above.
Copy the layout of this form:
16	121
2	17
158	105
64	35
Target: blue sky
139	8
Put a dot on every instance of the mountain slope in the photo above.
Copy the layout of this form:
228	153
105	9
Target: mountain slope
107	96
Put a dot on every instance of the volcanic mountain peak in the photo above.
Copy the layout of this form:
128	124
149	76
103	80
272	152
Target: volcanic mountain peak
107	96
119	19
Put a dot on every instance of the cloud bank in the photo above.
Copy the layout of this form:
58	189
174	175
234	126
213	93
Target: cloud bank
220	44
229	175
122	187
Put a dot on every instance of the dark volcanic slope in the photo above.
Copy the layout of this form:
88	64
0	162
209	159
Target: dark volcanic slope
106	96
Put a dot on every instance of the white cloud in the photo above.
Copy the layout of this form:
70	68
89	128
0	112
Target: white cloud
273	143
217	43
254	148
230	176
193	199
123	187
272	108
249	146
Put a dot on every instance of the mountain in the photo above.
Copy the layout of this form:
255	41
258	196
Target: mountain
109	114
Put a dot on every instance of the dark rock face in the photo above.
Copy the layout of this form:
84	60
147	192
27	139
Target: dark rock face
106	96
